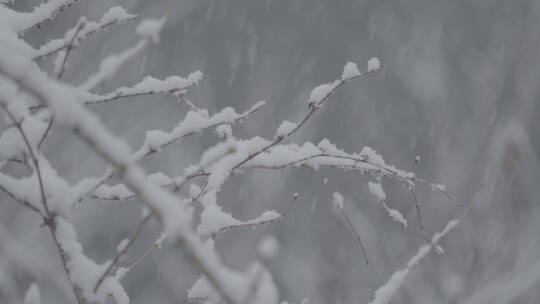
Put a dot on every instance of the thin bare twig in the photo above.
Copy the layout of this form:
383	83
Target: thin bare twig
49	126
410	163
69	48
417	207
24	203
356	235
145	254
123	252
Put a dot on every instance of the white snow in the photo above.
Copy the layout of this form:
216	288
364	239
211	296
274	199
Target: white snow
110	65
150	85
11	142
322	91
116	192
122	245
33	295
194	190
59	60
66	102
350	70
255	278
224	131
213	219
396	216
377	190
150	28
268	248
372	156
115	14
193	122
43	12
440	187
384	294
159	179
159	242
267	216
338	200
83	271
373	64
285	128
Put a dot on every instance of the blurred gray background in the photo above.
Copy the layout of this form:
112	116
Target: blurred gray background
459	87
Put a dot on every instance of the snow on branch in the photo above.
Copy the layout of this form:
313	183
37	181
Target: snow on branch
83	271
44	12
194	122
33	295
150	86
176	220
376	190
350	71
384	294
316	99
110	65
325	154
215	221
12	144
149	30
114	15
52	197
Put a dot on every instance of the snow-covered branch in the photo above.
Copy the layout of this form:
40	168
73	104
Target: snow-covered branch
384	294
43	12
175	218
83	30
187	205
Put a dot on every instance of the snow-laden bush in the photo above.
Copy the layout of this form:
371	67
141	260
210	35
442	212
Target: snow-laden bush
33	99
